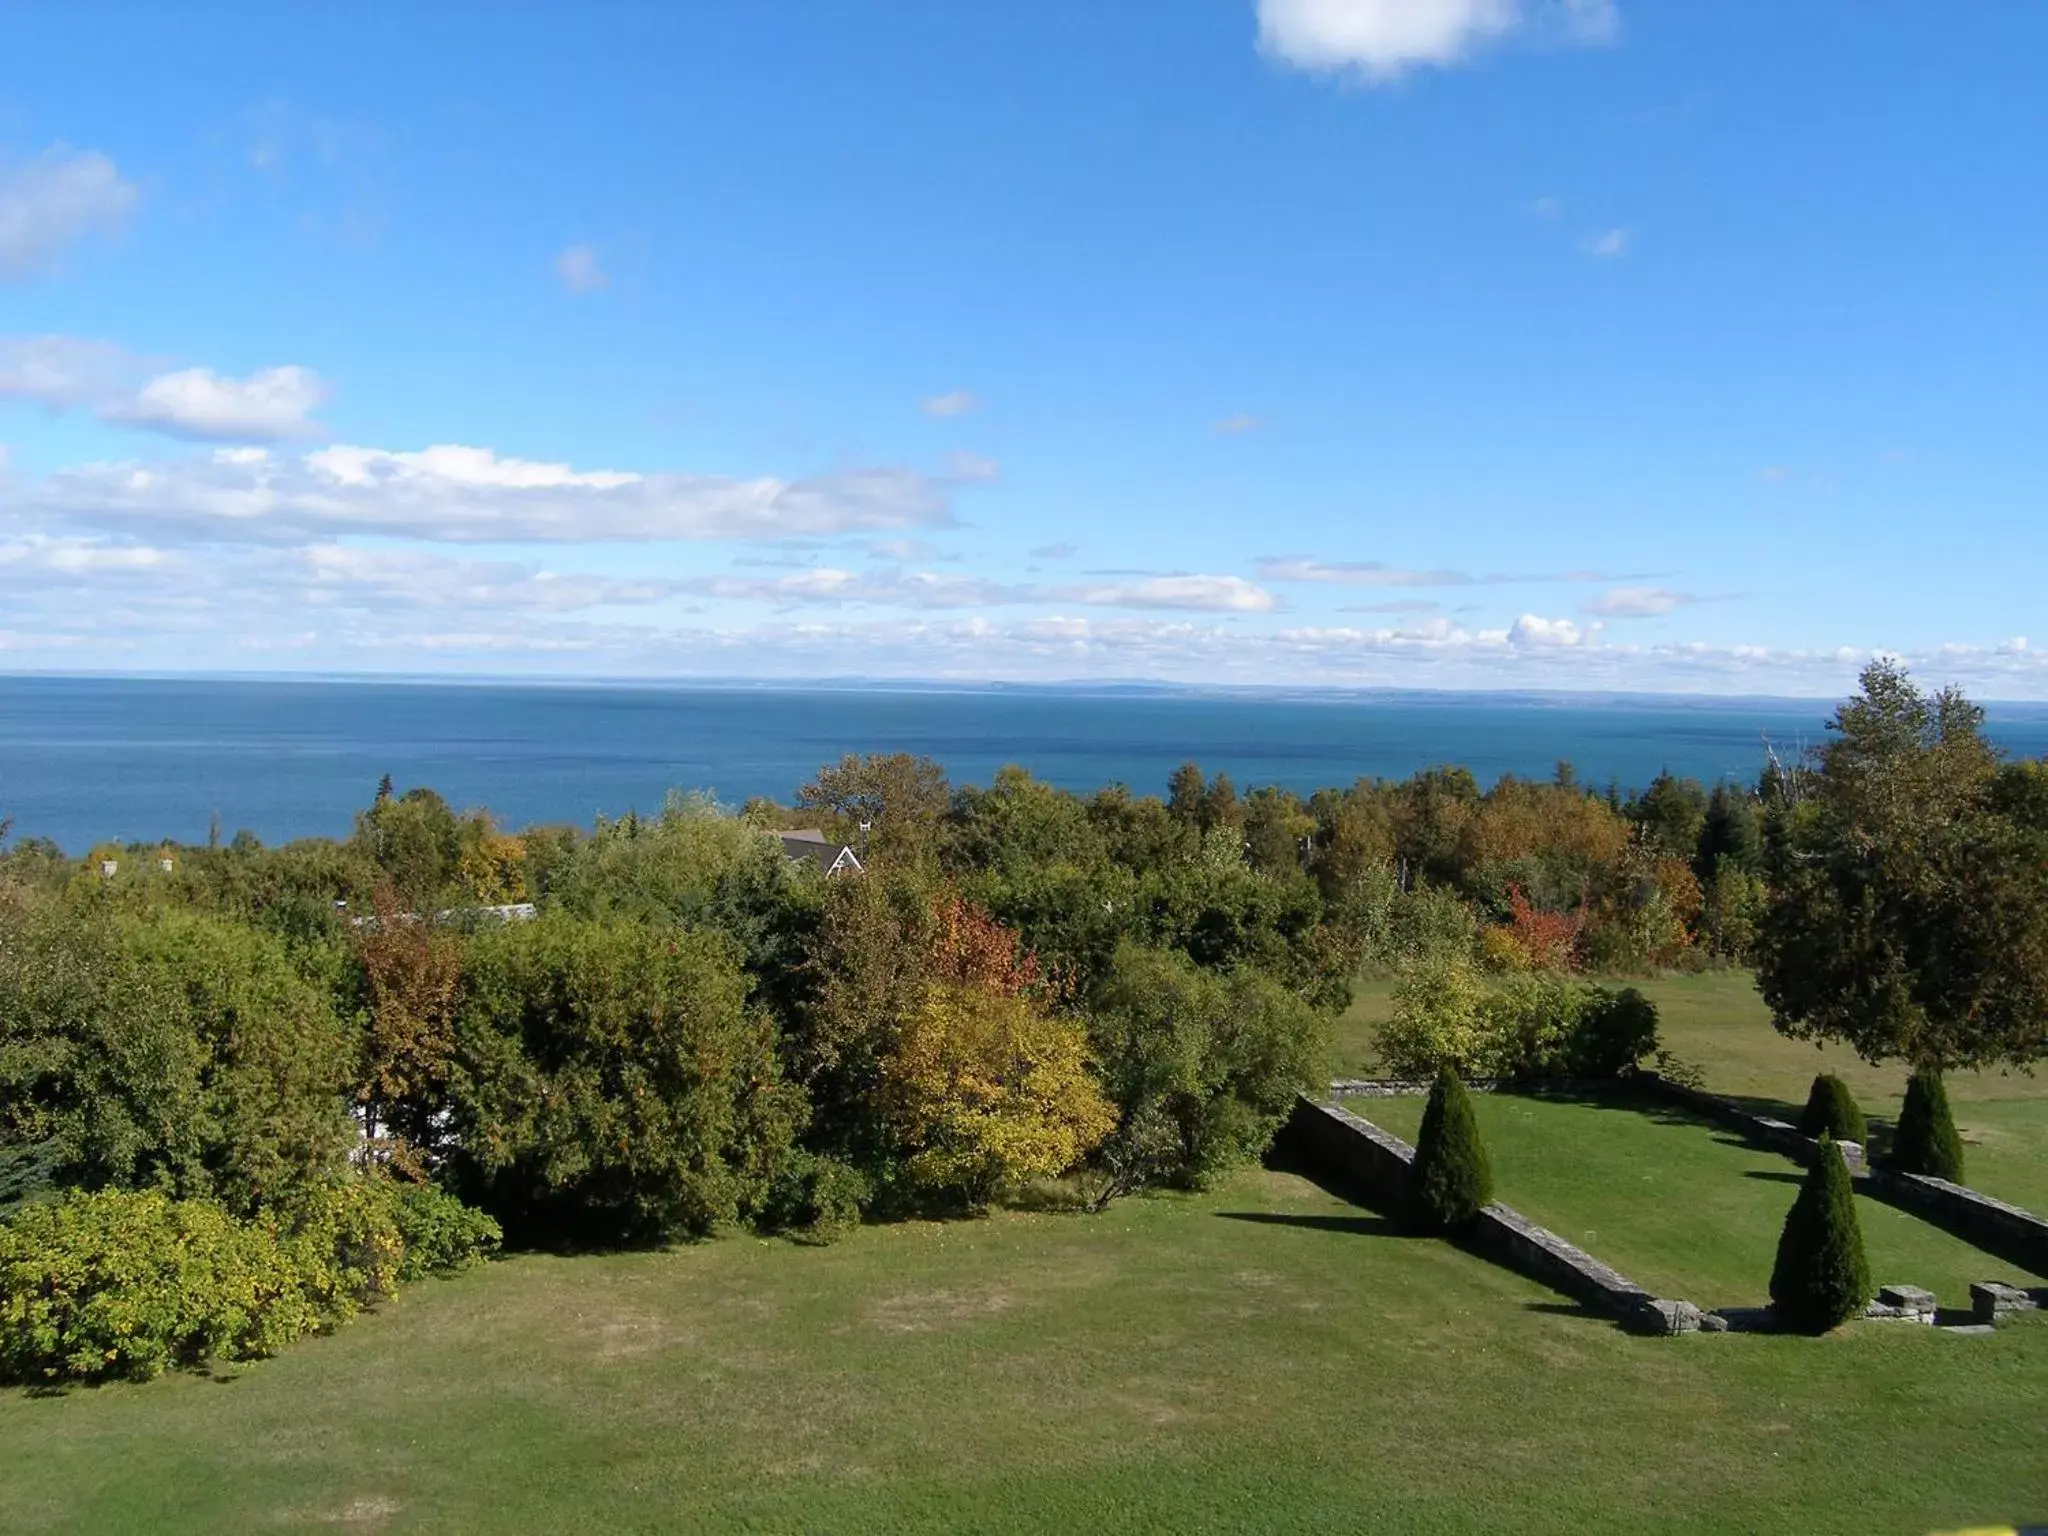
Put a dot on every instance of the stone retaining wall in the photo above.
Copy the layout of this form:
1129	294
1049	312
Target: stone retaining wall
2017	1236
1776	1135
1377	1163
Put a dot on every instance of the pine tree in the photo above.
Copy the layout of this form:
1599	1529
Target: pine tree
1926	1140
1822	1277
1452	1180
1832	1110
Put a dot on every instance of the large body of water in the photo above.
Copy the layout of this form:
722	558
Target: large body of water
89	759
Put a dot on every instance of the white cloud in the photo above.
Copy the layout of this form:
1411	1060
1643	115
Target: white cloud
458	494
1608	245
1378	40
105	603
337	573
956	403
1637	602
43	555
829	586
1406	605
61	371
1357	573
51	202
1531	630
70	371
1237	426
269	405
1371	573
1203	594
579	270
972	468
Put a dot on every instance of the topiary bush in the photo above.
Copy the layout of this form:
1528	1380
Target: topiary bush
1926	1140
1452	1178
1821	1277
1832	1110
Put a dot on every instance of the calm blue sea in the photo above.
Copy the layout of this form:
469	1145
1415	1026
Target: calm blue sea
89	759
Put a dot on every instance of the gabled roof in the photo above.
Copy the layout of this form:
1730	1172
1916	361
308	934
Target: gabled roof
812	844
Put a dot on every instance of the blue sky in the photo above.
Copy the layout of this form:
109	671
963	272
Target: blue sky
1446	343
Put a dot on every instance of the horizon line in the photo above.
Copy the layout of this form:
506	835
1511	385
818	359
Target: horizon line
849	682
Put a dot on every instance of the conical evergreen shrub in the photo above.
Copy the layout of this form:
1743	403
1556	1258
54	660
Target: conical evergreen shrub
1832	1110
1926	1140
1452	1180
1822	1277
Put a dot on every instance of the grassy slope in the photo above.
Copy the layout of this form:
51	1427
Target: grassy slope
1683	1208
1265	1358
1718	1023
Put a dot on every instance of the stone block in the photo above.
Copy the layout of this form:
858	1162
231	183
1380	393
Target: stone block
1664	1317
1991	1300
1910	1300
1750	1319
1713	1322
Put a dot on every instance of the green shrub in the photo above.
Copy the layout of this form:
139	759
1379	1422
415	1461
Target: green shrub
1613	1032
126	1284
1531	1024
1452	1179
348	1247
1203	1068
1832	1110
1926	1140
1821	1277
611	1083
117	1284
815	1199
1437	1021
440	1233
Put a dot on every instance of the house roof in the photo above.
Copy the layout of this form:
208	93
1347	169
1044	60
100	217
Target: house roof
827	853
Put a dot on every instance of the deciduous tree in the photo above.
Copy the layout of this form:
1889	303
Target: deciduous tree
1908	907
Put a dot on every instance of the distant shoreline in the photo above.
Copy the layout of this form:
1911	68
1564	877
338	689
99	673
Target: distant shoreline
1529	698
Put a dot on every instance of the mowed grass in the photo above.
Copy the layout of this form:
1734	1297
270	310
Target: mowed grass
1263	1358
1681	1207
1717	1022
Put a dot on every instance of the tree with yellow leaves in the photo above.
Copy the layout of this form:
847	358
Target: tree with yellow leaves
985	1090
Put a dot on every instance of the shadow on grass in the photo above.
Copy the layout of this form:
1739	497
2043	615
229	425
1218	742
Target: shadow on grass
1284	1157
1362	1226
1624	1096
1576	1309
1772	1176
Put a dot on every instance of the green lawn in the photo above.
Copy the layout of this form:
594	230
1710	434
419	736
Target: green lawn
1717	1022
1681	1207
1265	1358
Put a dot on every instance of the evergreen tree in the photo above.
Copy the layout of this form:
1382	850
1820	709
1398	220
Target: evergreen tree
1452	1180
1832	1110
1926	1139
1730	831
1187	797
1822	1277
